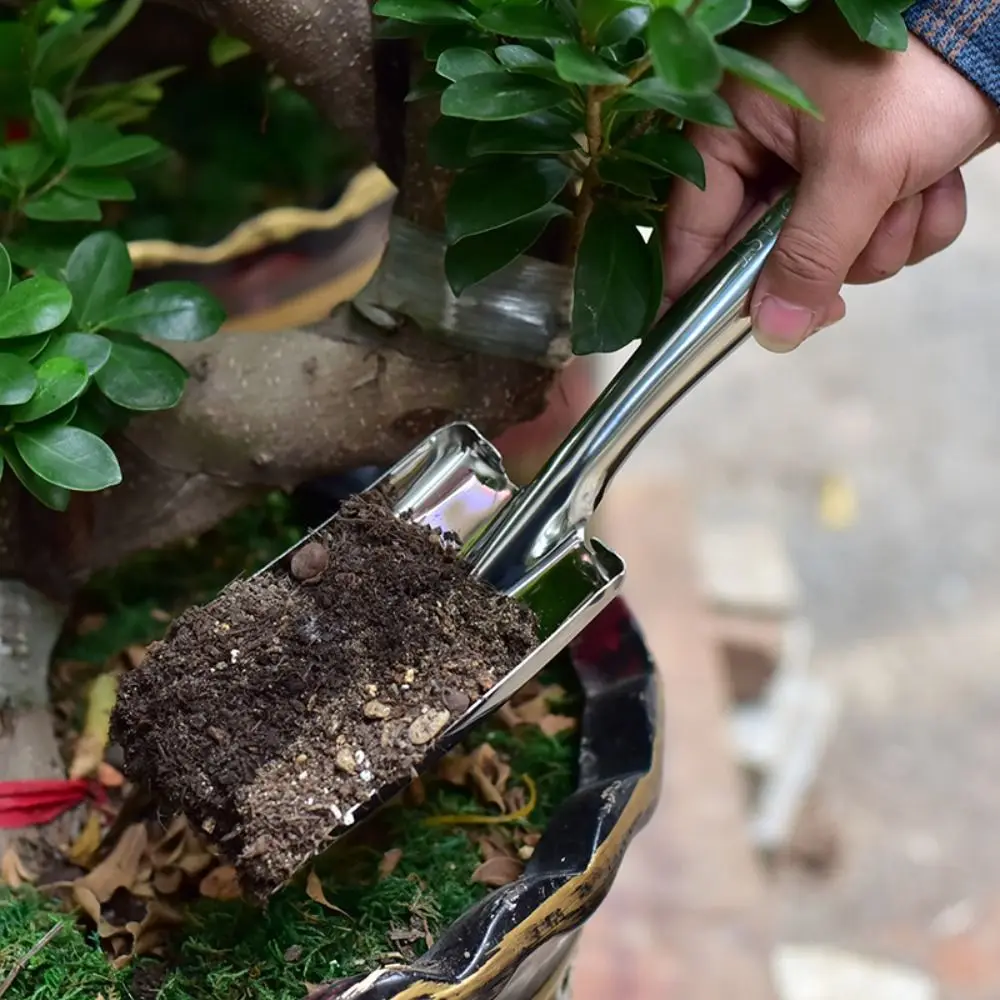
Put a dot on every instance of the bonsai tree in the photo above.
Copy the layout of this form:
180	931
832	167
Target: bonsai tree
127	421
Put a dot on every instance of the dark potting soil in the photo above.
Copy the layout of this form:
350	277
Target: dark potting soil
271	713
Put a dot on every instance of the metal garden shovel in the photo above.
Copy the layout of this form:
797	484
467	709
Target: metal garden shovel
533	542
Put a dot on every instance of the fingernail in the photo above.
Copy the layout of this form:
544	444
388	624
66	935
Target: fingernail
779	325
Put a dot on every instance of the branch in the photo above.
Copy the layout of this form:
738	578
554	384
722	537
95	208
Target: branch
323	48
275	410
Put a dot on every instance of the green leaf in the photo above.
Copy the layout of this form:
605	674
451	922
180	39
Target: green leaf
225	49
705	109
34	306
595	13
91	349
534	21
541	133
575	64
611	285
99	273
103	187
631	175
17	380
6	272
141	377
490	196
60	381
448	142
170	310
629	23
500	97
669	152
51	120
97	144
454	64
878	22
720	16
58	205
423	11
69	457
683	53
764	76
522	59
54	497
27	347
767	12
25	163
477	257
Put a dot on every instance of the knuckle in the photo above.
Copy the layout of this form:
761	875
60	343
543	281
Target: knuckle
808	256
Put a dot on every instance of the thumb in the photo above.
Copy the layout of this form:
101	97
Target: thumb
836	211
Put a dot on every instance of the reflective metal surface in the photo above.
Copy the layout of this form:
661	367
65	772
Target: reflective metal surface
532	543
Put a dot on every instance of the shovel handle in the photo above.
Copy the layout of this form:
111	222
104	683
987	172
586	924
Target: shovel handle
693	336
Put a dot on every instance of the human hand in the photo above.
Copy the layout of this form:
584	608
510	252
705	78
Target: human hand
879	184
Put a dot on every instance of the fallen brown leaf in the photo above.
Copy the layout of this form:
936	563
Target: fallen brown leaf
490	774
13	872
314	890
221	883
89	750
124	868
108	776
552	725
134	655
415	794
498	871
389	862
454	767
159	615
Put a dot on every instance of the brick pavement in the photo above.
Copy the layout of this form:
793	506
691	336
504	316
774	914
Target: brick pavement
686	917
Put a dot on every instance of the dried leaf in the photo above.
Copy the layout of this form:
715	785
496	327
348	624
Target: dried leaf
108	776
159	615
508	716
314	890
552	725
221	883
134	655
454	767
123	868
13	872
415	794
168	849
85	846
490	774
389	862
166	883
494	845
90	747
498	871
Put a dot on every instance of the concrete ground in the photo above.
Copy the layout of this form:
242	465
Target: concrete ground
900	408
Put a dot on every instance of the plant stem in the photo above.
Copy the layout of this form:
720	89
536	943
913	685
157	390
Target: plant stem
591	177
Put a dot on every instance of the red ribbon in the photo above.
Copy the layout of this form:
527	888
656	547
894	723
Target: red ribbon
33	803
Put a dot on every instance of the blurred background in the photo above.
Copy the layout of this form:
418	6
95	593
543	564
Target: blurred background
856	485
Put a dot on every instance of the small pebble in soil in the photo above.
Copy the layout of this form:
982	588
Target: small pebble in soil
270	715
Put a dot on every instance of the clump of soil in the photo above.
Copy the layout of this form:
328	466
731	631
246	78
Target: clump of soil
271	714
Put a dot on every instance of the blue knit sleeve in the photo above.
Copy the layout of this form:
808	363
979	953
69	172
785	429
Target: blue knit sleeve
966	33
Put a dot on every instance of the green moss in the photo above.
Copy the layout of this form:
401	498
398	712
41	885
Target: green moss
232	951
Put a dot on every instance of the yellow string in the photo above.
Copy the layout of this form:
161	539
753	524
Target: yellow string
523	813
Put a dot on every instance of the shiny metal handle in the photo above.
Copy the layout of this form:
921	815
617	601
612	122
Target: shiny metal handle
700	329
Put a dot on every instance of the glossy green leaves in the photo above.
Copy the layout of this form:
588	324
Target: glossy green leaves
73	349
